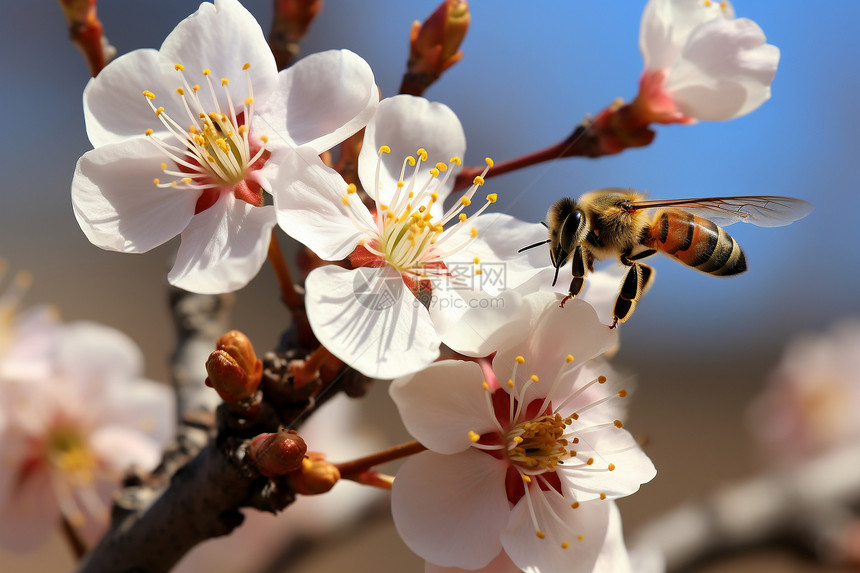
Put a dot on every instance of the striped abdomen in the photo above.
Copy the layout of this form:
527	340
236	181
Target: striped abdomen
696	242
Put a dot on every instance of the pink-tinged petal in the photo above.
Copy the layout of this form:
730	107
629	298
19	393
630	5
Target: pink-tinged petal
116	203
143	406
608	447
121	448
613	557
223	247
725	70
222	37
29	515
30	352
501	564
370	320
666	25
93	354
583	528
442	403
308	202
477	324
115	108
325	98
450	509
406	123
499	238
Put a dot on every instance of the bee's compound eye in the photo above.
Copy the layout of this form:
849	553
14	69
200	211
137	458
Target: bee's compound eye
570	229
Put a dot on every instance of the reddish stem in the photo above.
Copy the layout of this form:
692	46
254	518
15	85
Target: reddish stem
353	470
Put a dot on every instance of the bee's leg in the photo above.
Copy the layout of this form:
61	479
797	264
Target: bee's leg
635	282
641	255
578	269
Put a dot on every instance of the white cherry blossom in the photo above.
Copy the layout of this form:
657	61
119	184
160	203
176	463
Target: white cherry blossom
701	62
523	454
188	137
416	268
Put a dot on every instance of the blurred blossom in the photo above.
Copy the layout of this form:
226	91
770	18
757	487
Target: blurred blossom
522	454
414	264
338	431
173	157
811	402
701	62
75	414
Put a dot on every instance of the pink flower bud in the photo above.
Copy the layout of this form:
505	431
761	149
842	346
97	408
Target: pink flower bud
434	46
277	454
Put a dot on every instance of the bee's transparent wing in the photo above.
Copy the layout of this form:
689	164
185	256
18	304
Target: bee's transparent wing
760	210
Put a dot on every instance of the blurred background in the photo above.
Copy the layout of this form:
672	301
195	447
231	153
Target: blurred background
700	347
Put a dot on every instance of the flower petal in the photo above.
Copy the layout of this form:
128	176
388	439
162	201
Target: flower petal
120	448
583	528
142	405
666	25
613	557
29	515
222	37
370	320
725	70
501	564
442	403
116	203
324	98
406	123
450	509
223	247
607	446
308	201
93	354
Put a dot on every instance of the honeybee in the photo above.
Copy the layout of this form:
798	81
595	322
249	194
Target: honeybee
618	222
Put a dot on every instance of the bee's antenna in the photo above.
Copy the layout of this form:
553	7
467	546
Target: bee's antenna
555	278
544	224
538	244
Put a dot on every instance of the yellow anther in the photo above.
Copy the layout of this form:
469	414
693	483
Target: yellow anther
477	260
565	545
179	67
163	165
611	467
465	201
527	479
195	87
533	378
462	217
384	149
518	440
186	180
474	436
622	393
345	199
574	505
707	2
441	166
723	5
520	360
601	379
492	197
207	72
474	232
173	183
422	154
192	129
478	180
224	81
180	91
222	144
148	132
574	416
264	139
249	100
410	160
223	118
411	195
602	496
434	172
590	461
456	160
579	537
488	161
484	385
148	94
479	272
618	424
400	184
201	115
351	188
243	129
540	534
510	383
569	358
156	181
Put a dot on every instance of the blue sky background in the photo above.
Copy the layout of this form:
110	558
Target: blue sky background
531	72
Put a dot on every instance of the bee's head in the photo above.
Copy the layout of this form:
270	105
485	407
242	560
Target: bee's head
568	227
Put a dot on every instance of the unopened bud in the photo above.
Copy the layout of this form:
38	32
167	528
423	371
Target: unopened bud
434	46
317	476
234	369
277	454
291	21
